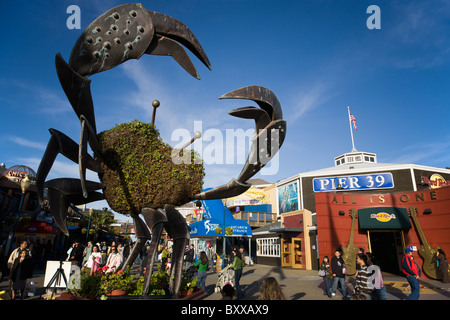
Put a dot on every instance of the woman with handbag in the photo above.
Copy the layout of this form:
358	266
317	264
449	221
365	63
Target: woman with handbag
339	270
325	273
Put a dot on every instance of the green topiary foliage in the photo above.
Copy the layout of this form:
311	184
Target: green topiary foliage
139	172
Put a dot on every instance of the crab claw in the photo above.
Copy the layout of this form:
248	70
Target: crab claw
168	33
267	140
127	32
121	33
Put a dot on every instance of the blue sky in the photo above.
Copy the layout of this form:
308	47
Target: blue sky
318	57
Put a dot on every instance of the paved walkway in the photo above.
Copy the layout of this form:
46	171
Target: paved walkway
306	285
296	285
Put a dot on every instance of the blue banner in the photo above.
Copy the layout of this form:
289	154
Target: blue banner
215	213
357	182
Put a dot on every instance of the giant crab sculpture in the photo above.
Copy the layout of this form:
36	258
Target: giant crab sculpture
122	33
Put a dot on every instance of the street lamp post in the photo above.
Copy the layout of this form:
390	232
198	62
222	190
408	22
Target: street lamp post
223	240
91	210
24	185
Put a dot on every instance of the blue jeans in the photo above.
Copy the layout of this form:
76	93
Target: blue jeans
380	294
337	280
201	280
415	288
237	277
327	287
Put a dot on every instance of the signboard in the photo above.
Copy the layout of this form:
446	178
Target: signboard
357	182
209	227
435	181
288	198
384	218
19	172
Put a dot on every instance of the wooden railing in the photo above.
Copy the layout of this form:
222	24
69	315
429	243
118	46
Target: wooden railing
256	219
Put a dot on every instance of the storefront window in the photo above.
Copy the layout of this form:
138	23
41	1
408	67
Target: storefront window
268	247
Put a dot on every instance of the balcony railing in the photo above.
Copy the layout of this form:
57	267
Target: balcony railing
256	219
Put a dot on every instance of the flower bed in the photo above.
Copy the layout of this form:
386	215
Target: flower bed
104	285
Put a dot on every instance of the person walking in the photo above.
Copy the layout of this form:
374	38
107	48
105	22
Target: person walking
363	285
114	260
189	256
412	272
337	267
212	256
87	253
238	266
76	255
326	275
270	290
23	246
94	260
126	251
21	270
202	265
442	264
164	256
379	290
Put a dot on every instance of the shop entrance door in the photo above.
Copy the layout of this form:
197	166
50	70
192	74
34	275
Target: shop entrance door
291	253
387	247
286	252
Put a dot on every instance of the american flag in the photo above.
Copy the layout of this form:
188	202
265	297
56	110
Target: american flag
353	120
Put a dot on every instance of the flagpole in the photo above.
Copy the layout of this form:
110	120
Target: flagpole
351	130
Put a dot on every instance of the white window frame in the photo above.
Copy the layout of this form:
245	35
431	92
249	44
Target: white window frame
268	247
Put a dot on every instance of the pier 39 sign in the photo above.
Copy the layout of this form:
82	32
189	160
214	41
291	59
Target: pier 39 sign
357	182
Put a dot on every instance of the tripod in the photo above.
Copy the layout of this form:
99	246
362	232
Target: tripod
56	279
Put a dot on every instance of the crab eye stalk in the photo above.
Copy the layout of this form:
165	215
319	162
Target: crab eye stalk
155	105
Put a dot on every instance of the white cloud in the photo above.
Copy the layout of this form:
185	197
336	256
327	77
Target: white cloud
27	143
425	153
310	99
48	101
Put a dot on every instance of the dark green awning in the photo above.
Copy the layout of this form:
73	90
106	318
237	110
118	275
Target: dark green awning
384	218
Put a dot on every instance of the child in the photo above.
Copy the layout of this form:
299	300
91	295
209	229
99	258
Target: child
228	292
325	266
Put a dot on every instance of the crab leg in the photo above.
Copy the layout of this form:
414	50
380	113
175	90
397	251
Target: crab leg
155	219
86	134
142	234
178	230
65	192
77	89
59	143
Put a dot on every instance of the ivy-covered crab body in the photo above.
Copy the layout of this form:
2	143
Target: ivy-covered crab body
137	173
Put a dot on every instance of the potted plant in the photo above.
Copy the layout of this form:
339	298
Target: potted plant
89	286
116	282
188	284
159	283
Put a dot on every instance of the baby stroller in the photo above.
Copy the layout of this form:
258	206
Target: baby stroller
226	276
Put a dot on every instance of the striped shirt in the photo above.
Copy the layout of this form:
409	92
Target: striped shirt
364	281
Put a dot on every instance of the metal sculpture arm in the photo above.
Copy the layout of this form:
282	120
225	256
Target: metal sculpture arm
267	140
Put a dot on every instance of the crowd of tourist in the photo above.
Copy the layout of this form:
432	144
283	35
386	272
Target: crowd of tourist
366	284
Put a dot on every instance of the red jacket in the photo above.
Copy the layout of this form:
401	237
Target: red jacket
409	267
